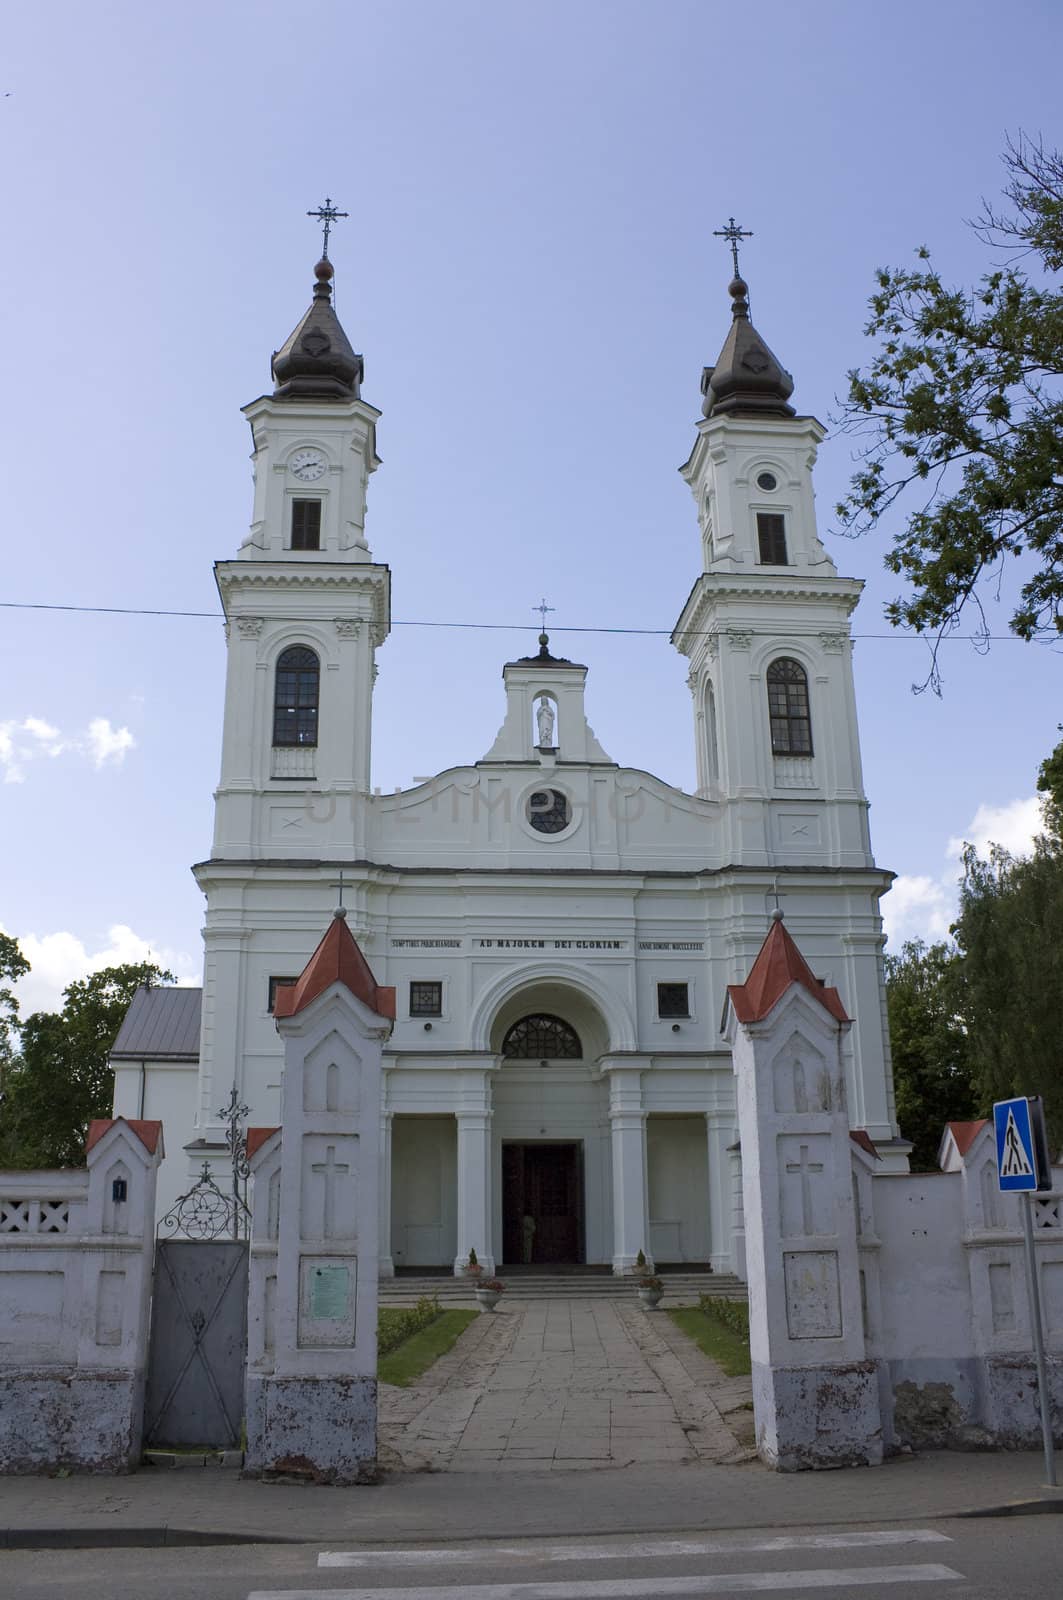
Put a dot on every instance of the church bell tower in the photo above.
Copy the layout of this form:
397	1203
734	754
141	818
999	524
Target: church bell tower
766	625
306	608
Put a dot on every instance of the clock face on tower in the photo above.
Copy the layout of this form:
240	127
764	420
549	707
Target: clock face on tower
307	465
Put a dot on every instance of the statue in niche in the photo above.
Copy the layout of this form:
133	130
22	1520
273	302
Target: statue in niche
544	719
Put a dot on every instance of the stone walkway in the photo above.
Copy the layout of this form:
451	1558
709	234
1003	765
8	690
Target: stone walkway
565	1384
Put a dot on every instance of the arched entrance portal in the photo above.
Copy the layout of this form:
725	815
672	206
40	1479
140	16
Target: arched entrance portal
551	1130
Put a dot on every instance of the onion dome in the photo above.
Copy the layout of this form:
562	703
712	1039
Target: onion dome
316	361
747	377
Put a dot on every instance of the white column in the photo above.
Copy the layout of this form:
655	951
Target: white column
474	1189
387	1264
627	1118
720	1133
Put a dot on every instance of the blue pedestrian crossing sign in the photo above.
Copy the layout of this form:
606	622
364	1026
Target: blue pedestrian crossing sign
1022	1155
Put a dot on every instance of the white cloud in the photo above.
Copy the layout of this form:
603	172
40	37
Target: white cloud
1014	826
923	906
107	743
919	908
58	959
24	742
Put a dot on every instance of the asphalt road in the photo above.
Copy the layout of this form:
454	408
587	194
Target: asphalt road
1016	1558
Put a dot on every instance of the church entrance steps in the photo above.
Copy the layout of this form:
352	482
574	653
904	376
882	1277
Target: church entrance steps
680	1287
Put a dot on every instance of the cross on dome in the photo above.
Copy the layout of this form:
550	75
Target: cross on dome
327	215
733	233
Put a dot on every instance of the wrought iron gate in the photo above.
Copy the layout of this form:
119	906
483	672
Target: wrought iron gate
198	1350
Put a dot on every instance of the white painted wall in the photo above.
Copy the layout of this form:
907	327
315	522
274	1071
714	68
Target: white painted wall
678	1177
423	1191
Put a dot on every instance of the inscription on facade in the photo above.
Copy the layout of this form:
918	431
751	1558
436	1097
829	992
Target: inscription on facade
671	944
478	943
550	944
426	944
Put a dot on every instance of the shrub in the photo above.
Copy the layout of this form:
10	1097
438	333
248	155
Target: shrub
734	1314
398	1326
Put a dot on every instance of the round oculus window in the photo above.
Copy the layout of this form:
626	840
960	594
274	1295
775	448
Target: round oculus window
548	811
767	481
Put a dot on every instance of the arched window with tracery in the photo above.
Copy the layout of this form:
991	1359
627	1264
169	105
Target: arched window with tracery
295	697
542	1037
791	722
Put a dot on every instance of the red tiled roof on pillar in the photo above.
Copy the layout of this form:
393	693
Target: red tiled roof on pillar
337	959
779	964
147	1131
965	1133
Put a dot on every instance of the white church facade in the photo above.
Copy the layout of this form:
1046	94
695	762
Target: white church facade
559	926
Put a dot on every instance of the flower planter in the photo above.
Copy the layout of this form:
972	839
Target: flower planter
487	1298
650	1298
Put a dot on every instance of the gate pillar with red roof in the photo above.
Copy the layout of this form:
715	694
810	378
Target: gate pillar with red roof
815	1393
312	1304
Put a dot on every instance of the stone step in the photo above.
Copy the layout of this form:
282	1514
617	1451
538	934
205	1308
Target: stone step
567	1286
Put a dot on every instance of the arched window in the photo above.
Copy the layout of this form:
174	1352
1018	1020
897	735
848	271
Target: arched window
791	725
295	696
712	753
542	1038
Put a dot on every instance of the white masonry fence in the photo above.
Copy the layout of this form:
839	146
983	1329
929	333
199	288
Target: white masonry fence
75	1283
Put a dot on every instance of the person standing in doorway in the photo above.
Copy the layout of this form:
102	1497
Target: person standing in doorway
528	1227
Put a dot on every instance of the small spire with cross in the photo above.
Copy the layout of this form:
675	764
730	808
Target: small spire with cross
733	233
341	909
544	638
327	215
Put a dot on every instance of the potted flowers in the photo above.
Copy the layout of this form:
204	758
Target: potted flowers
488	1291
472	1267
651	1289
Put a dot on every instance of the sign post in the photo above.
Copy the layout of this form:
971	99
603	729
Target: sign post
1022	1167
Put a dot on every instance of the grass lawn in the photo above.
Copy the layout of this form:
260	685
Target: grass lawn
405	1364
717	1341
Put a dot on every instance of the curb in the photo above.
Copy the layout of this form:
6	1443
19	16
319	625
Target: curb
156	1538
1043	1506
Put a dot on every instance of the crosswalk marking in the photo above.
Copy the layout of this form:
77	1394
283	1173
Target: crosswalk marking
648	1588
652	1549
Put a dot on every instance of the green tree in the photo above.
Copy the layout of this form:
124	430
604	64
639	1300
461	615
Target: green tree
61	1080
13	966
1050	784
931	1064
1010	938
962	404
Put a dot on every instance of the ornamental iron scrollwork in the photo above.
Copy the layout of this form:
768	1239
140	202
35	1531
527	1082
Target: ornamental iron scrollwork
206	1212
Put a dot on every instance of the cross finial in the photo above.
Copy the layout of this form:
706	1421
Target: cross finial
542	608
341	909
733	233
327	215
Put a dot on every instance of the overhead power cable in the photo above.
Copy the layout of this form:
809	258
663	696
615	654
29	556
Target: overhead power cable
494	627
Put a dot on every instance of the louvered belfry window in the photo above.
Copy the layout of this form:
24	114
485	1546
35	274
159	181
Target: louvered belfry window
791	723
771	539
295	698
542	1037
306	524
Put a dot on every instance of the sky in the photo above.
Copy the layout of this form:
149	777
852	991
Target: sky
530	270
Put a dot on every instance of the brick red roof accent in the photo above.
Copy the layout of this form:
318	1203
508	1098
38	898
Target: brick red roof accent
965	1133
861	1137
778	965
337	959
256	1138
149	1133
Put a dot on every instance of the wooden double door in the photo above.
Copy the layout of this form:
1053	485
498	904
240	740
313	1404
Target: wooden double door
542	1203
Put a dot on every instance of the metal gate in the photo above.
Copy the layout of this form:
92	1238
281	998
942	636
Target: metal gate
196	1358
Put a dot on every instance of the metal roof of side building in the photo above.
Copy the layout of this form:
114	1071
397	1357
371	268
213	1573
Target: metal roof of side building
162	1024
